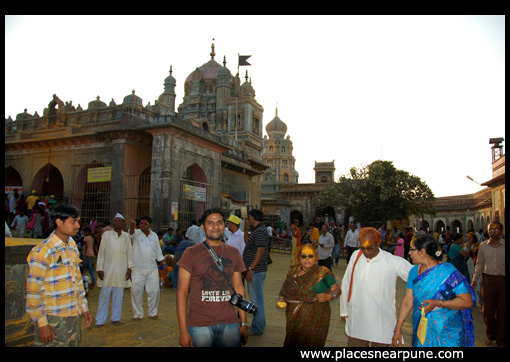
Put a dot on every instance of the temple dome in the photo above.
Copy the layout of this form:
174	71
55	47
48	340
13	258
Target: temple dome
23	116
133	98
276	126
210	70
97	104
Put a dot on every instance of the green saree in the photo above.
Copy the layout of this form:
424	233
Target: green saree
307	319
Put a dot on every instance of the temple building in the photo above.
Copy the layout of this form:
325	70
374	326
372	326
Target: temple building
150	159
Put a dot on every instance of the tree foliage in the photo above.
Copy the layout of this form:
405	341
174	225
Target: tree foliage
379	192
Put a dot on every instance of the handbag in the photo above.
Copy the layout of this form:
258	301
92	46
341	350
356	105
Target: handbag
422	327
31	223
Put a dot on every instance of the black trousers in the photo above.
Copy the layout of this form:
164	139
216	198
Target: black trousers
325	262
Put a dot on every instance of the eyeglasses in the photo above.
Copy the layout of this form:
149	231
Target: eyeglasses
309	256
411	249
495	229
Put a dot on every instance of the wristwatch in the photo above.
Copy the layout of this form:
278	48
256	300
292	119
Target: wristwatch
244	324
250	268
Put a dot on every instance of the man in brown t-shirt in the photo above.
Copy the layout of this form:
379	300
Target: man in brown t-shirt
212	319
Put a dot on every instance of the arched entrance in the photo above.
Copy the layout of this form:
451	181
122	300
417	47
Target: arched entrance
13	179
194	196
144	193
138	194
326	215
49	180
440	227
456	227
296	215
92	193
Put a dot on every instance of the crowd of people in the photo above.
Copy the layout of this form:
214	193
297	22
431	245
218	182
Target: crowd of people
221	257
28	217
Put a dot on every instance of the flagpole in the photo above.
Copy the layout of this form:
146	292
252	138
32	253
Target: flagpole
237	98
245	57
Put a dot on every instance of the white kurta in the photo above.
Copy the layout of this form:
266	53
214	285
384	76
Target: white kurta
114	259
146	251
144	275
371	312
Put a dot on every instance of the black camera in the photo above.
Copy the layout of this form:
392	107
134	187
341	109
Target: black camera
238	300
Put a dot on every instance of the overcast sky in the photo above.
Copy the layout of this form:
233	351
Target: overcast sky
426	92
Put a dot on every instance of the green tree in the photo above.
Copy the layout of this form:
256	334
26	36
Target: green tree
379	192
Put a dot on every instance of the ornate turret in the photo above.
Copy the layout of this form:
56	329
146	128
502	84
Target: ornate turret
167	98
276	127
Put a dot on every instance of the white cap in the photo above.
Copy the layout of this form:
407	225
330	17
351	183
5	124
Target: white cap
119	216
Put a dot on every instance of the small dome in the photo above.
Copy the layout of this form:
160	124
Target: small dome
132	98
23	116
97	104
170	79
276	126
224	70
247	88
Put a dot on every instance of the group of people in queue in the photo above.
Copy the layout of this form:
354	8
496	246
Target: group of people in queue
213	275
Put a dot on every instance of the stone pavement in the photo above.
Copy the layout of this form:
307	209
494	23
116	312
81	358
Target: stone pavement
164	331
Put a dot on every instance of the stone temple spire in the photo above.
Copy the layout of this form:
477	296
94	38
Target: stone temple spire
212	50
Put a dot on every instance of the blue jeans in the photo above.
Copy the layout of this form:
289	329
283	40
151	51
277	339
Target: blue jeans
218	335
256	292
89	265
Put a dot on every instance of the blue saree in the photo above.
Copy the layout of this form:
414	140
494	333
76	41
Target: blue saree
445	327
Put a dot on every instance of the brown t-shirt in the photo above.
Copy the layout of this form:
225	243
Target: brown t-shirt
209	291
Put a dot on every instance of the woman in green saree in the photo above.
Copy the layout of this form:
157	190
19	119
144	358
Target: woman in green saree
305	294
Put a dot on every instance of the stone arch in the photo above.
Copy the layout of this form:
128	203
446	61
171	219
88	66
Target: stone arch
12	177
195	173
327	210
296	215
470	225
49	180
194	196
457	226
440	226
91	198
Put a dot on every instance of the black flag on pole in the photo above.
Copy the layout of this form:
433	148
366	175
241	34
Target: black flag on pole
243	60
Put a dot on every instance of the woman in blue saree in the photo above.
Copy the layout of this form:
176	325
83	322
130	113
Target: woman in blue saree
449	322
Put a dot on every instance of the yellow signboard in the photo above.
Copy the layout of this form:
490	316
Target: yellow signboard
195	193
99	174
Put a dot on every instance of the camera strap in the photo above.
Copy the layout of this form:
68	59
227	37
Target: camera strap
218	263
